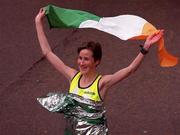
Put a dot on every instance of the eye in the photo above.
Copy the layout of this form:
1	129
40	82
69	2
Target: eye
79	57
86	58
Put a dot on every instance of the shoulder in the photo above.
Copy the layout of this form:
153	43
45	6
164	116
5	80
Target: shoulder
75	75
105	79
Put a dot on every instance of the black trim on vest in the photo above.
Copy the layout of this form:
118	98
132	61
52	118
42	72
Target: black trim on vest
74	76
98	88
88	85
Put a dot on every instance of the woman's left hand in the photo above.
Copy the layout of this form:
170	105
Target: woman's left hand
151	39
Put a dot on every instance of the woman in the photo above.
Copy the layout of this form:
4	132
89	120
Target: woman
87	83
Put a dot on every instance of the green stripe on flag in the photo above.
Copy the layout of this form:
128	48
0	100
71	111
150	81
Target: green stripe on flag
67	18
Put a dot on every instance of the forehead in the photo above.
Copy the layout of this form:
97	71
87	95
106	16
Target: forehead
86	52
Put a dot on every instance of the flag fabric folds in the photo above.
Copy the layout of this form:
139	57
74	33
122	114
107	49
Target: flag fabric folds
125	27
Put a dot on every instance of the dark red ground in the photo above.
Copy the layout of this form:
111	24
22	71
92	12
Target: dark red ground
147	103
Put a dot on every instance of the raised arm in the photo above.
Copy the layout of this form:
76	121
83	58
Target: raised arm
46	49
110	80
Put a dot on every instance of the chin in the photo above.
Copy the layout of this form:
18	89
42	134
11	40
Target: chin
83	71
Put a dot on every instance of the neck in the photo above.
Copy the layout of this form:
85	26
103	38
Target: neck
89	77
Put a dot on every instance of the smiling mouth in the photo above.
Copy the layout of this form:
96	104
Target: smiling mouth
83	68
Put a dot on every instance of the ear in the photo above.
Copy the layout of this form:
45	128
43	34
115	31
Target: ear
97	63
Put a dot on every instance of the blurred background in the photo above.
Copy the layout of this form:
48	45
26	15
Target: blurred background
147	103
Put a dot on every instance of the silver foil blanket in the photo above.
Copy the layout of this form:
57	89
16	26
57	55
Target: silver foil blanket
83	116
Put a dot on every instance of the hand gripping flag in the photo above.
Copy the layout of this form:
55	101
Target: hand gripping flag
125	27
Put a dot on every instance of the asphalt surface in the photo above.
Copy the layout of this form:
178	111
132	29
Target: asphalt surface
147	103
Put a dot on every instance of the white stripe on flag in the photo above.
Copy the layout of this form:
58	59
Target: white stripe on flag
123	26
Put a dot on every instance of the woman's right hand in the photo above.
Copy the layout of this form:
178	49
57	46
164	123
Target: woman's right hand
40	15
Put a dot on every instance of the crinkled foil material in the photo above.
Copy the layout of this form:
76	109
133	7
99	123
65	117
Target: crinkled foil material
83	116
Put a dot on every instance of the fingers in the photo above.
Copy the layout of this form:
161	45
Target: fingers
158	34
42	11
151	36
151	39
161	32
40	15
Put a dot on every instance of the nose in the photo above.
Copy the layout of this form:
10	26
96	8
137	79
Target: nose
81	62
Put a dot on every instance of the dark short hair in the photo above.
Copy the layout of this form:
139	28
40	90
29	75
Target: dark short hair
95	47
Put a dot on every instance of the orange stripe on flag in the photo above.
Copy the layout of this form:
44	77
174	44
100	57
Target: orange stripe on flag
165	59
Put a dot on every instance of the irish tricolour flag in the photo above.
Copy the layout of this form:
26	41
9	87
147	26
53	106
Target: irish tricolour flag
125	27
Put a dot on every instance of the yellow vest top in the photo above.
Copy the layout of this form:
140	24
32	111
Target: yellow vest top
90	92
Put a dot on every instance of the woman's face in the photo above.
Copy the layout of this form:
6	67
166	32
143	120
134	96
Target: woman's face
86	61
